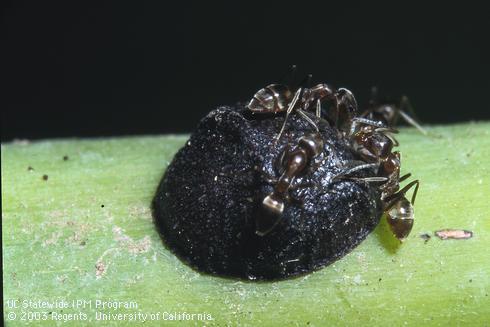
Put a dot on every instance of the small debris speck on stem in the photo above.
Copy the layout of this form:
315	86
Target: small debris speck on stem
456	234
425	237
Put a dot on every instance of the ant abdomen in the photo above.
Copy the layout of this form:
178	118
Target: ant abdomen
274	203
272	98
400	218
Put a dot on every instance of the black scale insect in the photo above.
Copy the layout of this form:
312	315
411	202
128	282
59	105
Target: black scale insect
284	185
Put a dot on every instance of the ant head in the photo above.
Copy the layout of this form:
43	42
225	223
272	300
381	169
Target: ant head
378	144
272	98
387	111
312	143
347	100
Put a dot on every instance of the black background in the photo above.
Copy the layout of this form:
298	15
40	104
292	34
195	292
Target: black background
116	68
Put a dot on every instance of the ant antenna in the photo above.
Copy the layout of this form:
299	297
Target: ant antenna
305	83
405	104
292	104
374	96
288	78
298	96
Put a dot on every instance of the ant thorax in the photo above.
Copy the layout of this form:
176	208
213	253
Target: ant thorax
371	145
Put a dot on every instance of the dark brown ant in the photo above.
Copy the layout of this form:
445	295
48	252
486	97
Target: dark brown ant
372	139
276	98
293	163
390	113
374	144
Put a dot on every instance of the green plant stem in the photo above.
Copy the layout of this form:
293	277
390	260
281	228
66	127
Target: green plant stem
86	233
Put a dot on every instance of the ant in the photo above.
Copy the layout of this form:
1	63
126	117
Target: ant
293	163
276	98
390	113
374	144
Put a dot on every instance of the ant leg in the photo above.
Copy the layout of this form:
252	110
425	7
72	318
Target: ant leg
360	120
265	176
374	96
414	195
370	122
307	81
302	185
308	119
391	200
279	163
370	179
288	78
405	103
297	96
364	179
335	115
354	169
353	125
320	92
305	97
386	132
288	112
318	111
299	186
404	177
412	122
